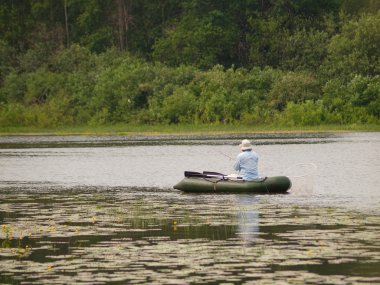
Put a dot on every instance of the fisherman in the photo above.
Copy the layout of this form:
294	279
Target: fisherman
247	162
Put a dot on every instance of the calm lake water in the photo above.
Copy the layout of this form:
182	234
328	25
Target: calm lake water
101	210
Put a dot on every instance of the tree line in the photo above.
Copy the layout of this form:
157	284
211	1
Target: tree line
94	62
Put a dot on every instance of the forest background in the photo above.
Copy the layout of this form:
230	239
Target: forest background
251	62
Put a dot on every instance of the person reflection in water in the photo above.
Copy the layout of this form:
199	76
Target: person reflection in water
248	218
246	163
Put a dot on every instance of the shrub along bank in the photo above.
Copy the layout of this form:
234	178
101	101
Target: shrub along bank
75	86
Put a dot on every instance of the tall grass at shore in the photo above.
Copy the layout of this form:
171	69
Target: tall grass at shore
126	129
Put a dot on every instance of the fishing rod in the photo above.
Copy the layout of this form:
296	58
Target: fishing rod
222	153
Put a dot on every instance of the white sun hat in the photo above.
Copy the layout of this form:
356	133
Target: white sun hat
245	144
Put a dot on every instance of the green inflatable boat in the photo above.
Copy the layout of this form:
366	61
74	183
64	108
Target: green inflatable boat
213	182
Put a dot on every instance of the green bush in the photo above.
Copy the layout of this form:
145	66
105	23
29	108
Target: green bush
212	106
12	115
357	101
122	89
33	59
295	88
41	85
14	88
366	93
180	107
83	88
308	113
73	59
258	115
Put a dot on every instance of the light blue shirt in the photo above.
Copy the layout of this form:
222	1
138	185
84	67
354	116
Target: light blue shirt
247	164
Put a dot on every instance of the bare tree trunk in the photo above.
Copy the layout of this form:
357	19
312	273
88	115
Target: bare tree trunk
124	18
66	25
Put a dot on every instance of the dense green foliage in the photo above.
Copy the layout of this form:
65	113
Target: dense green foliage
96	62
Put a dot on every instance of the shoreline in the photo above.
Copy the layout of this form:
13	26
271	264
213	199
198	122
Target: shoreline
154	130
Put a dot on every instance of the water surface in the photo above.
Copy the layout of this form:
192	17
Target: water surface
347	166
101	210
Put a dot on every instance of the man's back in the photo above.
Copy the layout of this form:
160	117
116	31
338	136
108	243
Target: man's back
247	165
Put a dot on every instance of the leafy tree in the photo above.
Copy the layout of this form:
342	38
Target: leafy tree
148	23
6	59
91	23
294	62
281	31
48	26
15	23
354	7
199	42
356	50
303	50
207	33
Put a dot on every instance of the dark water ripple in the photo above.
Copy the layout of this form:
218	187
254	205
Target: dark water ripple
51	141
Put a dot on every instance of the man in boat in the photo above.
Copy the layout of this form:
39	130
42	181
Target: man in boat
247	162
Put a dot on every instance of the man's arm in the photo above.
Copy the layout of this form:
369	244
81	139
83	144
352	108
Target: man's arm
237	164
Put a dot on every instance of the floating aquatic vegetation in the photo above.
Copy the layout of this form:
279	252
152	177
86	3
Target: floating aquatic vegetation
137	236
